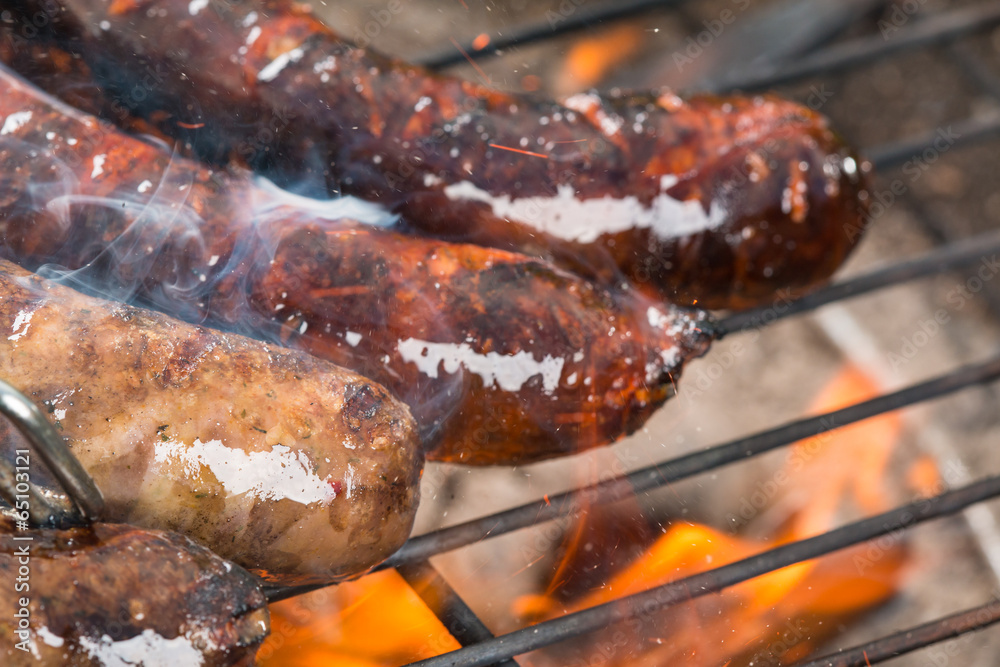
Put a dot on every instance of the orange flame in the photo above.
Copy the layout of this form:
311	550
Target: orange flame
847	463
924	477
590	60
774	619
610	552
377	621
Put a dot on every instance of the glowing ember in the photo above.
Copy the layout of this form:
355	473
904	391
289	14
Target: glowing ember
531	83
481	41
479	70
518	150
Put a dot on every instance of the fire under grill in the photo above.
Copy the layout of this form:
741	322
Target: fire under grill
823	52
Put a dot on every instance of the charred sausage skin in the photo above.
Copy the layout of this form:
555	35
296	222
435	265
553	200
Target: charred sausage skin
110	593
502	357
544	364
292	467
715	201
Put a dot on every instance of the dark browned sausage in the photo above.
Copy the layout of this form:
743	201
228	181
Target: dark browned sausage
714	201
502	357
111	594
529	362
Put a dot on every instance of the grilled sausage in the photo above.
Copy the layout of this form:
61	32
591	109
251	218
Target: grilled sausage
543	363
714	201
112	594
285	464
64	75
502	357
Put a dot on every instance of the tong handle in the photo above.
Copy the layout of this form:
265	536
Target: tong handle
50	447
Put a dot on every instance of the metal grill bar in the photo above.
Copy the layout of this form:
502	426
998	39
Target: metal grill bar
446	539
763	37
933	30
559	25
936	29
952	256
975	69
447	605
956	134
575	624
945	234
912	639
989	83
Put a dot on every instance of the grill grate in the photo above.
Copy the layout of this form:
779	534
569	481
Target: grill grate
450	608
942	28
579	623
907	641
535	32
482	648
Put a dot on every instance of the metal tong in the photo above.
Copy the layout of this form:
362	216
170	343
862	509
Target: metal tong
82	501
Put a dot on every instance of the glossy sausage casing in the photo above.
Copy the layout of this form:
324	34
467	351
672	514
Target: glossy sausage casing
502	357
530	362
283	463
111	594
707	200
